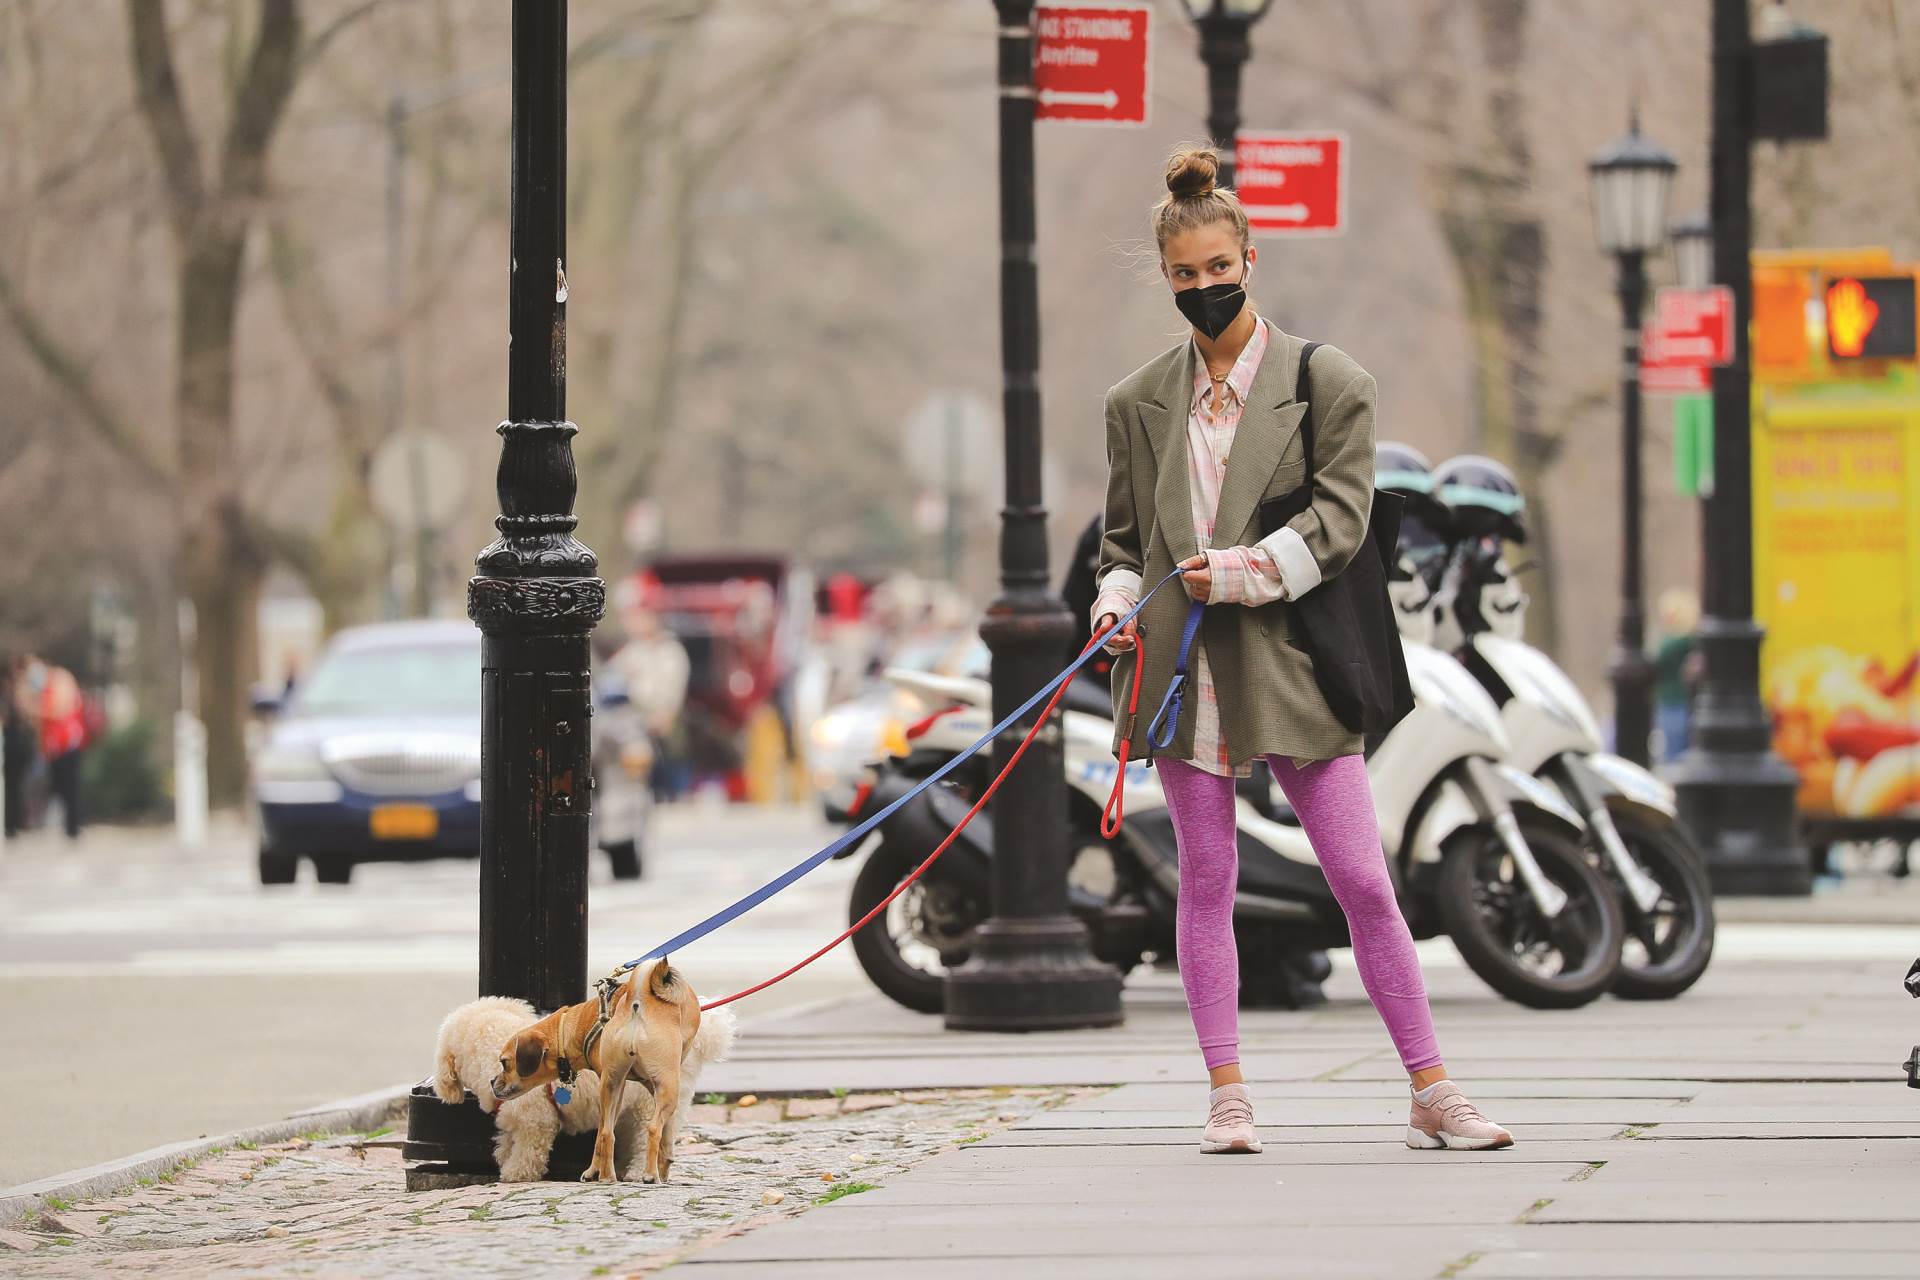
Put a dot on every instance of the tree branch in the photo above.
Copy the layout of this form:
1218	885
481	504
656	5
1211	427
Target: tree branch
158	95
259	104
71	376
325	36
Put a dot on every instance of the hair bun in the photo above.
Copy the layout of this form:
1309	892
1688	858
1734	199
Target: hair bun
1191	171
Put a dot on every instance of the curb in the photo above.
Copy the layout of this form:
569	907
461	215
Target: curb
342	1115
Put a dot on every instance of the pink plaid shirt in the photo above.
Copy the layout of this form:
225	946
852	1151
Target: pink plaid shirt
1240	575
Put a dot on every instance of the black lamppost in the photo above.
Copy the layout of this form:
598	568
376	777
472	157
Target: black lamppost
536	598
1030	969
1692	240
1224	47
1630	180
1736	796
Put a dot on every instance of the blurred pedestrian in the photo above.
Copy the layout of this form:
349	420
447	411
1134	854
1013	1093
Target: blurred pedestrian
1676	663
655	668
18	742
63	739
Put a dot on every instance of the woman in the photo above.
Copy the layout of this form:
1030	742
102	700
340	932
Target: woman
1174	500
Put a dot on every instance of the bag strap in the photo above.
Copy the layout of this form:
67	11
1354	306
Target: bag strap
1303	393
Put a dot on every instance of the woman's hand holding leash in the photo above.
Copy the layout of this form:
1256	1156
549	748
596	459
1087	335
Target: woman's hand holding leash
1122	643
1196	577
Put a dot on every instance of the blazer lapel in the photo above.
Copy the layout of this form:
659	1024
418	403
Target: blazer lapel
1267	425
1165	419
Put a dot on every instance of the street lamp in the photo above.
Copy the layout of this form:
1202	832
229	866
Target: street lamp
1735	794
1630	180
1030	968
1223	26
535	599
1692	239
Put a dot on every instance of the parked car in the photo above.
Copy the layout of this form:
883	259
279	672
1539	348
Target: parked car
376	758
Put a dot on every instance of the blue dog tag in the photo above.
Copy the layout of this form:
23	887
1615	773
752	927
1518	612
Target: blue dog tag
562	1094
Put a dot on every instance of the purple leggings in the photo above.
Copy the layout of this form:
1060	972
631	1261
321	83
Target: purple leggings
1336	808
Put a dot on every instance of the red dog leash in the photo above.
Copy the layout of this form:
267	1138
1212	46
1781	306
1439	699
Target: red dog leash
1110	814
1045	715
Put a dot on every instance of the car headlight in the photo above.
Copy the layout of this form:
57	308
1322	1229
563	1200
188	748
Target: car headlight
290	764
293	775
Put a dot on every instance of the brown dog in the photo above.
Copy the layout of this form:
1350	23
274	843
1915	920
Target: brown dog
650	1028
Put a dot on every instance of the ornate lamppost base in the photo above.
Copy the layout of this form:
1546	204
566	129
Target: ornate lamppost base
450	1146
1739	806
1032	973
1736	796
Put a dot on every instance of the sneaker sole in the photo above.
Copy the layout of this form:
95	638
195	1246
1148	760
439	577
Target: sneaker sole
1238	1147
1420	1140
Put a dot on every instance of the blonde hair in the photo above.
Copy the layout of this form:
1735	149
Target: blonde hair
1192	199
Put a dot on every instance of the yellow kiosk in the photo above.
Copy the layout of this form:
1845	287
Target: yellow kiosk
1836	524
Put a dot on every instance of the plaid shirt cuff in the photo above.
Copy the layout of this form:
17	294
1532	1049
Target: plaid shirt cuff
1243	575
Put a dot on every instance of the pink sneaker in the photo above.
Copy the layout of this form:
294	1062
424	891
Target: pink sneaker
1229	1128
1448	1120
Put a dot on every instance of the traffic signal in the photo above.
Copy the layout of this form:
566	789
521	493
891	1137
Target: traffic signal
1870	317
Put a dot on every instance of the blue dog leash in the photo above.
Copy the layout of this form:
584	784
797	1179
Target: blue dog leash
1166	721
788	877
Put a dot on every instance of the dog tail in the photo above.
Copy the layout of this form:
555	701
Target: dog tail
714	1040
661	981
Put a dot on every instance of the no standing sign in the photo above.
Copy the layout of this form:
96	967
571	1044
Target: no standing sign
1090	63
1292	184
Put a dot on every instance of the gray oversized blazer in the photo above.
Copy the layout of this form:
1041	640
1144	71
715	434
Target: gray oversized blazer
1269	701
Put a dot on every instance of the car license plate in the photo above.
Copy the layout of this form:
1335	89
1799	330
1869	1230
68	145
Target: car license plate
404	822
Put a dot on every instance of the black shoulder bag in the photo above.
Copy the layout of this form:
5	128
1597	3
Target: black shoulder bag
1347	621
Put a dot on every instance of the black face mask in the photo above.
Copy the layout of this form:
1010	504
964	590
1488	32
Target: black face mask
1212	308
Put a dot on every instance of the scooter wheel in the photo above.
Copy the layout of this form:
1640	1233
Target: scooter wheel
1559	963
1667	948
908	948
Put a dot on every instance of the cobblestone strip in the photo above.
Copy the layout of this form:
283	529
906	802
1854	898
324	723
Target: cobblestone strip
336	1207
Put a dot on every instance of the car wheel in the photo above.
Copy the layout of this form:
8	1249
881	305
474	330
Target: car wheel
624	858
333	870
277	867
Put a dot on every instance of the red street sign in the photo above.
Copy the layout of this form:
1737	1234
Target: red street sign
1691	327
1675	379
1292	184
1090	63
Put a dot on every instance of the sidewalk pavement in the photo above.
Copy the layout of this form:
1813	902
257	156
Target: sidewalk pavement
1759	1126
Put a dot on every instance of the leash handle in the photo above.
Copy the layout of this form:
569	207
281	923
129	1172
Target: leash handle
1166	721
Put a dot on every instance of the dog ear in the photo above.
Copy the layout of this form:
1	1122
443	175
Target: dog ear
661	981
528	1055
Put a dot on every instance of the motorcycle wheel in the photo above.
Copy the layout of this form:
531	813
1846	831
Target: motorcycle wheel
909	947
1668	948
1561	963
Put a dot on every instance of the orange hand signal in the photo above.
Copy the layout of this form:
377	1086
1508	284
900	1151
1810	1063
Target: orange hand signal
1850	316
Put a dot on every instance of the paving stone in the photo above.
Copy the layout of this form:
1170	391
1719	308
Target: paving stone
809	1108
338	1210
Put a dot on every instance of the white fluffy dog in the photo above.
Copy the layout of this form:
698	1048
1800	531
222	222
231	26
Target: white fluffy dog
468	1057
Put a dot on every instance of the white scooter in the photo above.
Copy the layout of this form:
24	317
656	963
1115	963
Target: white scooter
1477	611
1480	851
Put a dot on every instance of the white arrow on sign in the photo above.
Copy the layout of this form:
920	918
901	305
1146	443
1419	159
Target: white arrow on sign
1277	212
1066	98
